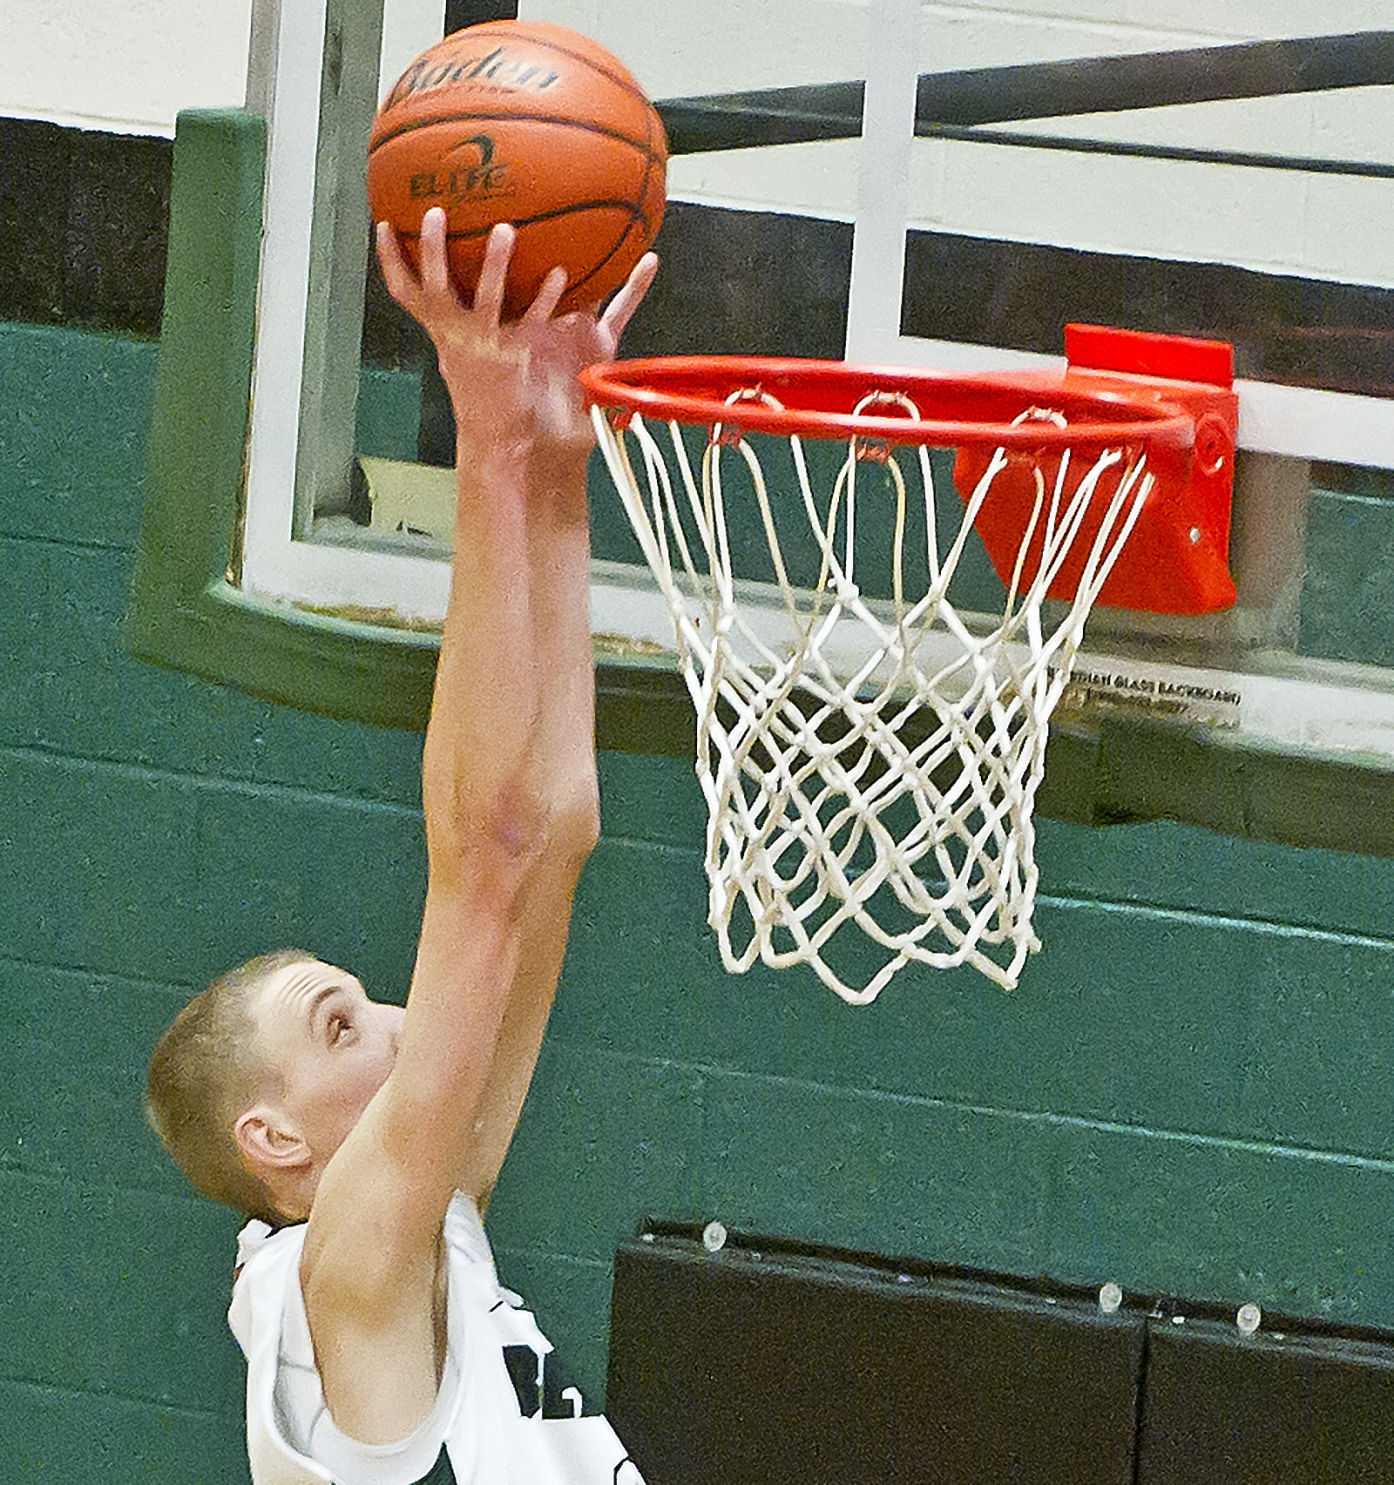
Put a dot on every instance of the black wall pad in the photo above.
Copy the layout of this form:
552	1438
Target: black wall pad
1275	1408
84	220
1301	332
761	1366
462	13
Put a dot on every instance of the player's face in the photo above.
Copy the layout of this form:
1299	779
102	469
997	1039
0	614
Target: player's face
331	1046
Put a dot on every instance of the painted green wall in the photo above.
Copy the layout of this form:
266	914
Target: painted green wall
1190	1092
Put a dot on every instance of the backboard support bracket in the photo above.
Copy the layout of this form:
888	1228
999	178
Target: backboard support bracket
1177	559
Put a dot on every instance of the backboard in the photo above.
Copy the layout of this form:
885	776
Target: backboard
1164	169
1173	168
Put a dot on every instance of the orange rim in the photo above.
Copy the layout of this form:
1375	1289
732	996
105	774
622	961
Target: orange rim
817	399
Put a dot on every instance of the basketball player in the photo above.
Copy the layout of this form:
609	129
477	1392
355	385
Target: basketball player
362	1138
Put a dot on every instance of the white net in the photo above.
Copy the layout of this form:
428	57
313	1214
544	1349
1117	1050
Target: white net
869	763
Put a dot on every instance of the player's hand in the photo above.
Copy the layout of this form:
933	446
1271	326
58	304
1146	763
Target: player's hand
512	385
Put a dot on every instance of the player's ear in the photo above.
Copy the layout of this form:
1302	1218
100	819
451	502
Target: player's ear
268	1142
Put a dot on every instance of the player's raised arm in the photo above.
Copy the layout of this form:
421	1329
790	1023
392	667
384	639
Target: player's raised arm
511	813
559	560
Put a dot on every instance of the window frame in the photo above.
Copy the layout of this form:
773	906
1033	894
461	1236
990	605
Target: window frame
184	610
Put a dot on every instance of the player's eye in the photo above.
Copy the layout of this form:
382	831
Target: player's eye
338	1028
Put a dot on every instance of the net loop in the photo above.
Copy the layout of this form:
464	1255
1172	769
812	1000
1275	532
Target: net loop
730	435
878	450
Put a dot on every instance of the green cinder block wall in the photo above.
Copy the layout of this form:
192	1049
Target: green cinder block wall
1189	1093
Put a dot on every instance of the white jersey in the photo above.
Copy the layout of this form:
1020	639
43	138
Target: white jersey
502	1416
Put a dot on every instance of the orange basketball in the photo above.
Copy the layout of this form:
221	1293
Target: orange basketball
514	121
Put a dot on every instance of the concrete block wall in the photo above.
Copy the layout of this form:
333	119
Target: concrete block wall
1190	1092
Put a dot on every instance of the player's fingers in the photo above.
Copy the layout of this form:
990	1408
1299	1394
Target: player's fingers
621	308
548	297
435	256
434	264
488	293
400	280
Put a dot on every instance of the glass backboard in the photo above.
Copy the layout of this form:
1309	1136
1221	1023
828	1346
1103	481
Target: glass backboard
932	184
1167	168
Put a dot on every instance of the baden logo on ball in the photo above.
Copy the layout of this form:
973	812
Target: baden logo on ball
532	124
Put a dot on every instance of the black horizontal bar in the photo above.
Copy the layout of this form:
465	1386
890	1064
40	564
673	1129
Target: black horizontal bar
1037	90
734	121
1307	163
1257	69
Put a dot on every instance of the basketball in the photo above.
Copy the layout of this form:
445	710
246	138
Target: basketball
529	123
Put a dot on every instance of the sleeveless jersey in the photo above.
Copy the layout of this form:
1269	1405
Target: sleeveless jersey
503	1414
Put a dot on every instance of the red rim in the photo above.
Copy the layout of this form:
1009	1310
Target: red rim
956	410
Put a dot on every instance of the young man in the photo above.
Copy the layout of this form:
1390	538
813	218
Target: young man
381	1349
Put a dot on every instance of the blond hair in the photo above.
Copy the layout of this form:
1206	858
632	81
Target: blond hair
203	1073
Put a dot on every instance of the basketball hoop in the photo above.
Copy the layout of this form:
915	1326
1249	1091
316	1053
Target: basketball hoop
870	760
